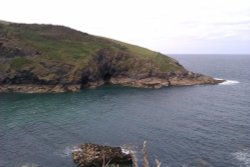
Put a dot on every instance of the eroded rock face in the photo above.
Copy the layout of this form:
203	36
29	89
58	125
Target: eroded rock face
9	50
93	155
107	67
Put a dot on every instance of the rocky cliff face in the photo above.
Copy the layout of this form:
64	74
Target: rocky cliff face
46	58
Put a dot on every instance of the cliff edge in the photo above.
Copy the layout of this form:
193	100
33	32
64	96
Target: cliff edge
49	58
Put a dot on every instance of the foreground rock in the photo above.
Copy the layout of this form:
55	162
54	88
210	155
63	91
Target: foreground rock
93	155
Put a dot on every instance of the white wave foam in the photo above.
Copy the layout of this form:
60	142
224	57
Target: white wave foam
126	151
243	156
68	151
228	82
29	165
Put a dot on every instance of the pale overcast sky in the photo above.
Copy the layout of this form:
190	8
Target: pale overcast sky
168	26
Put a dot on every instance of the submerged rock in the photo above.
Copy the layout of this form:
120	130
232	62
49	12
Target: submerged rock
94	155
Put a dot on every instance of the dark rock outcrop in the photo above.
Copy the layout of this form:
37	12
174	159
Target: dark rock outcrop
93	155
107	68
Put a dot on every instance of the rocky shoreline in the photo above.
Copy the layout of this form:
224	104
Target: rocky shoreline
33	88
153	83
161	82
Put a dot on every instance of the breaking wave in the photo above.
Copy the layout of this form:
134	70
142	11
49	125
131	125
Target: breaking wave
68	151
30	165
243	156
228	82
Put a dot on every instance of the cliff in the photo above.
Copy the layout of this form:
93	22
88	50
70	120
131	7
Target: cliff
49	58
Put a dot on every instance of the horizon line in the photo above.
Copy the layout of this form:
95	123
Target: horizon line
207	53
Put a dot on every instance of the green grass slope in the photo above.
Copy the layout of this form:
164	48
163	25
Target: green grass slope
49	54
58	43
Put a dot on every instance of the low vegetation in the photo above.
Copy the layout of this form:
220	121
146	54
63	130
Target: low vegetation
19	62
48	42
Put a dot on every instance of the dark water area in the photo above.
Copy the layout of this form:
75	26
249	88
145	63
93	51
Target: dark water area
193	126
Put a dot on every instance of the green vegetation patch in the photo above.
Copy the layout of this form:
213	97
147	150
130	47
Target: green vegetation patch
3	67
63	45
19	62
164	62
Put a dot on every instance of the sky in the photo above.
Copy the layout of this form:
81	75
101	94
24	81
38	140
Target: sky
167	26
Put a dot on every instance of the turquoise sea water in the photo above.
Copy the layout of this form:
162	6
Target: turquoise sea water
184	126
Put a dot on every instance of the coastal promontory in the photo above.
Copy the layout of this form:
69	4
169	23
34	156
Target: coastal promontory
50	58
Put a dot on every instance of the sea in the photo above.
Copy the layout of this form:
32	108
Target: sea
187	126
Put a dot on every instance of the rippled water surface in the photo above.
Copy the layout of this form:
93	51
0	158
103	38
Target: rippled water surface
184	126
